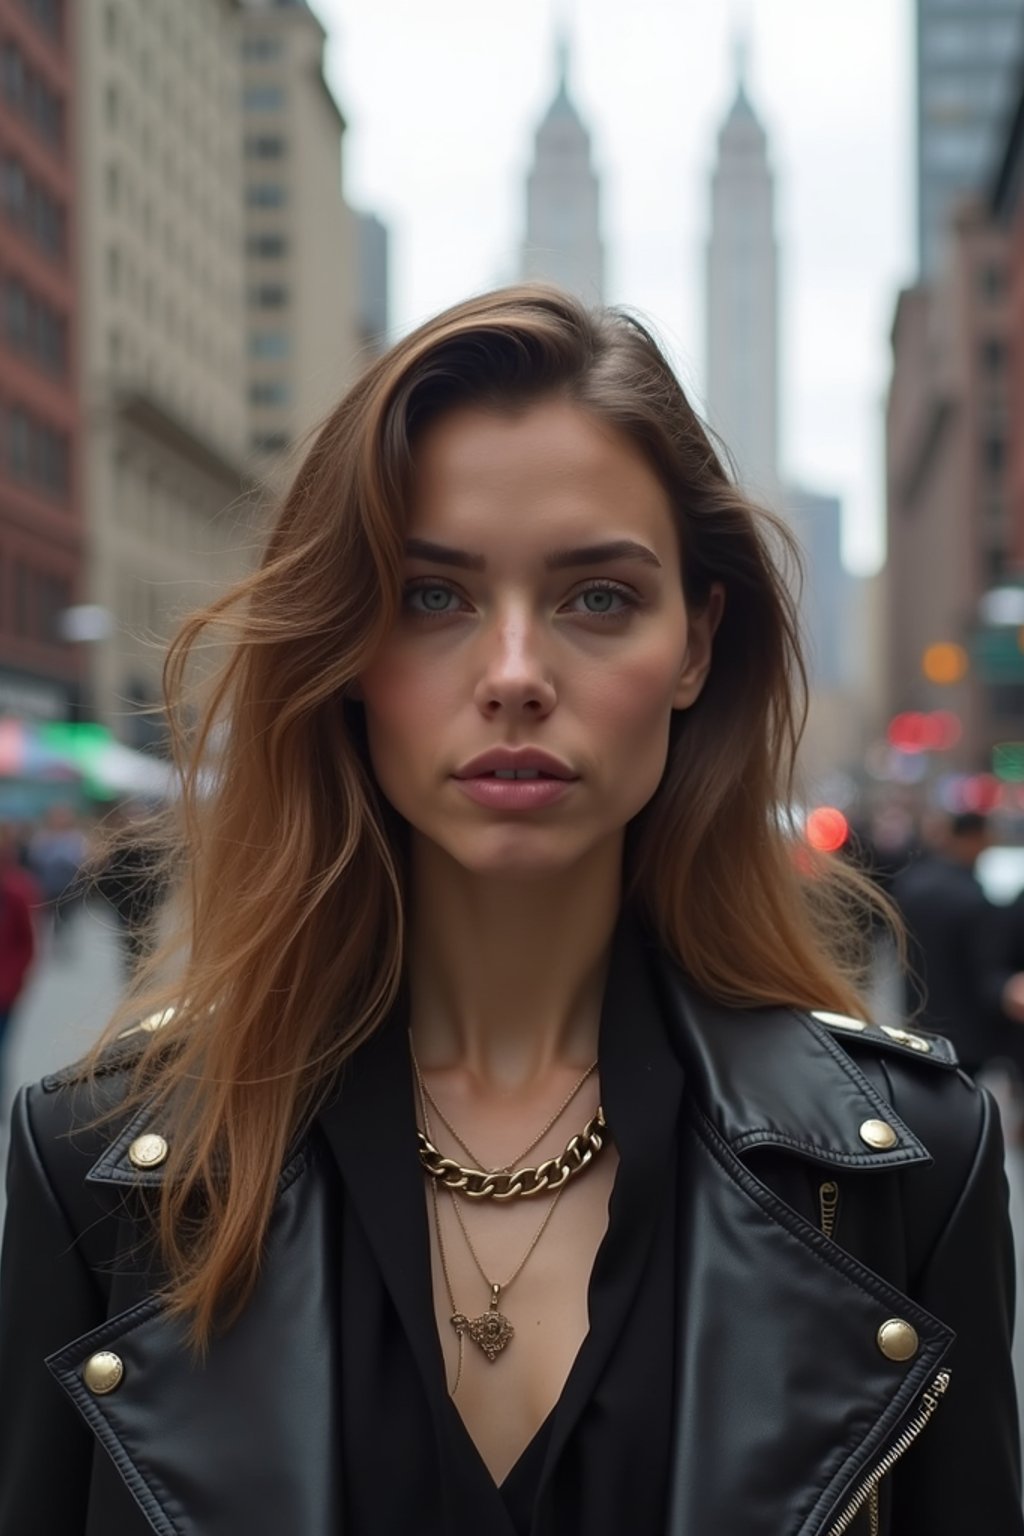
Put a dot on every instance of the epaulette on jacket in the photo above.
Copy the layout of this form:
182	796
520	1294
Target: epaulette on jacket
122	1053
892	1038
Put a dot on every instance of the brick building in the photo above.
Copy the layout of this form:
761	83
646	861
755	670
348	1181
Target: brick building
40	505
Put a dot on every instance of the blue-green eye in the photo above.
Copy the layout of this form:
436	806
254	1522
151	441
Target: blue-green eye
430	598
606	602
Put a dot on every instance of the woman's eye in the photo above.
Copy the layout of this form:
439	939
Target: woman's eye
431	598
605	602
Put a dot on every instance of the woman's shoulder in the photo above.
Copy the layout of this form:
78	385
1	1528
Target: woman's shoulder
816	1083
70	1118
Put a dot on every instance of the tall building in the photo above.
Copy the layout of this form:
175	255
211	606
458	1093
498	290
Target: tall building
40	504
950	534
160	165
816	519
969	54
742	299
301	239
563	200
374	309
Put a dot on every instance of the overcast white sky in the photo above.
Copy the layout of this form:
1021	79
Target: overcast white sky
443	98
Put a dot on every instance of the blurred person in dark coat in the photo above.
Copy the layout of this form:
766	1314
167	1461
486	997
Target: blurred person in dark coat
19	895
950	926
57	855
128	880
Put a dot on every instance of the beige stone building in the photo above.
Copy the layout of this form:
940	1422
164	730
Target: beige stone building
301	238
162	327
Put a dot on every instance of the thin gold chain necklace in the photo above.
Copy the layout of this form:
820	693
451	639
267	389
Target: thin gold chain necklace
492	1331
514	1161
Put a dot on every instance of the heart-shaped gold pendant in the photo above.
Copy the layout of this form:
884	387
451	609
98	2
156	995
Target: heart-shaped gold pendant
491	1332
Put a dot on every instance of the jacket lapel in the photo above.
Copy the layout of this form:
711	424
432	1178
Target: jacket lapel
247	1440
784	1399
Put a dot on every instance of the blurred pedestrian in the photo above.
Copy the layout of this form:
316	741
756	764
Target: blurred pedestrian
949	923
57	854
129	880
19	896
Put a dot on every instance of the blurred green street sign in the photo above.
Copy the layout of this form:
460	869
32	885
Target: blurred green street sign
996	655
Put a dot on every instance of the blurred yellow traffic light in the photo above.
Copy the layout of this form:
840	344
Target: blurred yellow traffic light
944	662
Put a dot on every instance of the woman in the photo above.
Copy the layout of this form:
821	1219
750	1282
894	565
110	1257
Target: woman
508	1152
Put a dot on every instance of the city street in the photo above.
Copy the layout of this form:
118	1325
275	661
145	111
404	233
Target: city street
71	997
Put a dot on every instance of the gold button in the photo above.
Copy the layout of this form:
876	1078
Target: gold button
878	1133
103	1372
904	1037
147	1151
897	1340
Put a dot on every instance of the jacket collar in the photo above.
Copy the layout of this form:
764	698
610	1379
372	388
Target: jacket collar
775	1077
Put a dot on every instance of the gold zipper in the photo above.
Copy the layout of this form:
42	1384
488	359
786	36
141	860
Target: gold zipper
828	1206
867	1493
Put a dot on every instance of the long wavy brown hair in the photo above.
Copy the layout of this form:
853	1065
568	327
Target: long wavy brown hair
287	943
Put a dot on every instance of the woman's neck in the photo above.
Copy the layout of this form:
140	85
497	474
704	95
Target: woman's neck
506	977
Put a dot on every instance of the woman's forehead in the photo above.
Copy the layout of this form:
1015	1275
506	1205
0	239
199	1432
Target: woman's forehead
550	469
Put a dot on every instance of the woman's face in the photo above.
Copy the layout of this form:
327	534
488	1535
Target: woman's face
543	612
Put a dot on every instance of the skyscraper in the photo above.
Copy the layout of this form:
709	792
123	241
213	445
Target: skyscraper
563	235
968	58
742	298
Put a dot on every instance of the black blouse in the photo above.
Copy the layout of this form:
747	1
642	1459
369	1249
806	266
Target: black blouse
599	1463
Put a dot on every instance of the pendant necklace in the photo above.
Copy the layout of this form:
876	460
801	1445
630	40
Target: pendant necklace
493	1330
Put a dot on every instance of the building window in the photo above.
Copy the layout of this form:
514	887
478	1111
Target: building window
30	96
266	245
268	296
22	624
18	445
33	327
47	15
261	47
992	281
38	455
268	344
263	98
269	392
265	194
993	357
13	189
264	146
994	454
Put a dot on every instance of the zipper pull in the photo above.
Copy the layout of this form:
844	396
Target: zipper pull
828	1206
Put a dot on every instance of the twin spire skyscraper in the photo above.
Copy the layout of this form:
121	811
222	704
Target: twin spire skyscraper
563	245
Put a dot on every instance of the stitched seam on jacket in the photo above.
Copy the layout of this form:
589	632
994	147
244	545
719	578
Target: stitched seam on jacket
832	1257
827	1154
147	1492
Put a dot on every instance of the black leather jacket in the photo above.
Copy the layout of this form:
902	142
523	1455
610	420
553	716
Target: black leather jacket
844	1329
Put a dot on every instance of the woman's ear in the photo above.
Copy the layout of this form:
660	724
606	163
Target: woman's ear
701	624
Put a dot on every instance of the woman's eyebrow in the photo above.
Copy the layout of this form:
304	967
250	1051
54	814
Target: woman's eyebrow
558	560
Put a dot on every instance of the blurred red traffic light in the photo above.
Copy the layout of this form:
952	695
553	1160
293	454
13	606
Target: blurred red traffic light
827	829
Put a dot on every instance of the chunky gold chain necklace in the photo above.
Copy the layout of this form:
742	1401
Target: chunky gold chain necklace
492	1331
506	1183
514	1161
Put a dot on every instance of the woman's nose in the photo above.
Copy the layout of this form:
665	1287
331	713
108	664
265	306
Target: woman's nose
515	676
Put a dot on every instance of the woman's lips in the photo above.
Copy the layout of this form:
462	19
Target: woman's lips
514	794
